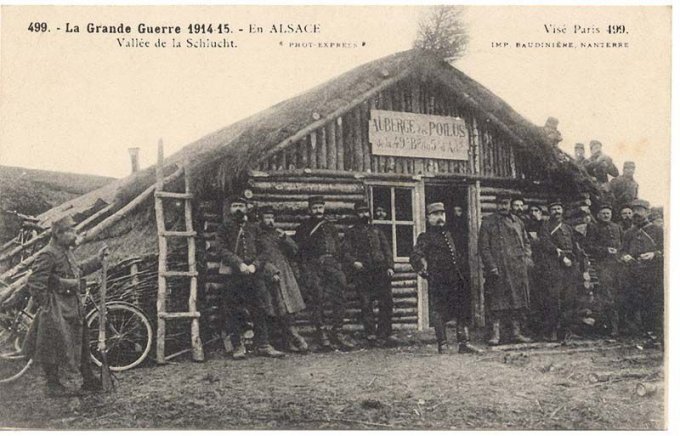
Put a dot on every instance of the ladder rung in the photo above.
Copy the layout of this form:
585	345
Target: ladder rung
170	315
180	195
177	234
180	274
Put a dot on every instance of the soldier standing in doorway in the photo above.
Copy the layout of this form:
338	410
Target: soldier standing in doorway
506	256
563	258
324	280
603	242
435	258
238	245
58	336
370	266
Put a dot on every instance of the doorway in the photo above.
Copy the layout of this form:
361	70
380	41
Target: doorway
453	197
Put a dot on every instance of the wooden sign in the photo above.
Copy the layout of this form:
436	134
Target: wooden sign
406	134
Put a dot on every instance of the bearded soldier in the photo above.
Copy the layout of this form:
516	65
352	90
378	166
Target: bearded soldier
325	282
435	257
642	252
562	257
626	217
58	336
238	245
369	265
603	242
276	248
506	255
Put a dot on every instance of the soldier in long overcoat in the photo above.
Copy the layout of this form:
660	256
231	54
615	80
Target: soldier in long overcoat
58	336
238	244
369	265
599	165
436	258
563	267
324	280
276	248
506	255
602	243
642	252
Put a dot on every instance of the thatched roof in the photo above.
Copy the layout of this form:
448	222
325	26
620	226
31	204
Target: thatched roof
226	155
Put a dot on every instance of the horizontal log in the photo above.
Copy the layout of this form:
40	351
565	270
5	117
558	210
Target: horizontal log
307	188
176	315
175	234
176	195
404	284
267	197
179	273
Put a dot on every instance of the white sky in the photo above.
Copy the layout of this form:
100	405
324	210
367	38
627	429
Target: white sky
77	102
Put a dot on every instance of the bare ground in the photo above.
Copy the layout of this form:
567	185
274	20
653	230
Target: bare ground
409	387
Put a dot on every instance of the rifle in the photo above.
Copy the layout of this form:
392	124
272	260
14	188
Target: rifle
107	380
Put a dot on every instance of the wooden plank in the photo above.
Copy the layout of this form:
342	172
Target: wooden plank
180	274
304	153
162	260
177	234
322	155
178	195
332	151
357	146
177	315
476	279
363	130
197	353
340	144
313	151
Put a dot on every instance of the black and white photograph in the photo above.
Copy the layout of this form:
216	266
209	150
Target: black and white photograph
339	217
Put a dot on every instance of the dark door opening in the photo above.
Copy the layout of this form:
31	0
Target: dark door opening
453	197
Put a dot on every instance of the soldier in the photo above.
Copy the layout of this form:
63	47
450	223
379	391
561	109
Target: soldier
656	216
238	245
380	213
624	188
319	245
532	224
517	206
626	217
458	226
58	336
642	253
506	255
599	165
370	266
563	258
603	242
276	248
436	259
580	155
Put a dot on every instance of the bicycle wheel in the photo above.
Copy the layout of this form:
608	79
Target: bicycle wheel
11	370
128	335
14	325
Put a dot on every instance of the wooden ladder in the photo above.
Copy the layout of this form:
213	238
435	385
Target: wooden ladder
163	273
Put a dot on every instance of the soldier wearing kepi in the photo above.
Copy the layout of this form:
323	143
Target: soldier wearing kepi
506	255
58	336
642	253
238	245
602	243
435	258
563	258
324	280
599	165
624	188
276	248
370	266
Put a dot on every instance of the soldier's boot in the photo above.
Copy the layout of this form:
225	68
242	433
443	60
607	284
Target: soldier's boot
322	338
495	333
54	386
341	341
464	345
267	350
517	335
440	334
239	352
91	383
296	340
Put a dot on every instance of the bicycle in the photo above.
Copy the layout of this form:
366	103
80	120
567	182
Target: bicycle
128	334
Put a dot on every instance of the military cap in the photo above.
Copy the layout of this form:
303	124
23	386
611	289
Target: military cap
580	146
555	202
605	206
517	197
625	206
435	207
62	224
595	142
552	122
266	210
377	208
504	196
361	206
639	203
629	164
316	199
533	204
655	214
237	198
658	211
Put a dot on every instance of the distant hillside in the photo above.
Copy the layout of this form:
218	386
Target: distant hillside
32	192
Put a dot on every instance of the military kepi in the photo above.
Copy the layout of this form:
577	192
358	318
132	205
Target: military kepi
555	202
435	207
361	206
640	203
316	199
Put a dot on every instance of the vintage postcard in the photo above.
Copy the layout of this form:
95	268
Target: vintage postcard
334	217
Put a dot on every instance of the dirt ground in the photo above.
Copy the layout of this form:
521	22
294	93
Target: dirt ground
407	387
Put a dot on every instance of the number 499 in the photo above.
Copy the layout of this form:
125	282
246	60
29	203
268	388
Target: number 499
37	27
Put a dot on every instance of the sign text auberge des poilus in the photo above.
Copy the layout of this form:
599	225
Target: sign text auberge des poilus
416	135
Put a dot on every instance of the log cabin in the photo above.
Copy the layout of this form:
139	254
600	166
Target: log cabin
400	132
